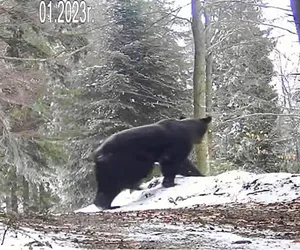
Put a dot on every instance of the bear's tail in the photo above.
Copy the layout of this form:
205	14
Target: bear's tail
207	119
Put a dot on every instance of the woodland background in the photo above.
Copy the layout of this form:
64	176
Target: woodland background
65	87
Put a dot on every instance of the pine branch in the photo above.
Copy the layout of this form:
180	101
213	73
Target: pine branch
55	57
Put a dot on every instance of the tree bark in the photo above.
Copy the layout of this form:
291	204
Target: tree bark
13	191
25	196
199	80
209	67
7	203
44	198
34	207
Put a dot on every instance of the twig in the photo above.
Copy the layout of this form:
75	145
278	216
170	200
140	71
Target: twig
165	16
9	58
4	234
243	2
259	191
259	114
182	18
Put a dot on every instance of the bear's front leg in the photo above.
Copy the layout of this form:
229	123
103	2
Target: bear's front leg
168	182
171	161
169	169
104	199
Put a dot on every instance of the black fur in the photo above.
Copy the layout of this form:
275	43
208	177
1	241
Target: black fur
127	157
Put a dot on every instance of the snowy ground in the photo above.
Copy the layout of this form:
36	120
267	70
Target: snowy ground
214	238
27	238
135	224
229	187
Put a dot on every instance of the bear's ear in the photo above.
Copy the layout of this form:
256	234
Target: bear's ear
207	119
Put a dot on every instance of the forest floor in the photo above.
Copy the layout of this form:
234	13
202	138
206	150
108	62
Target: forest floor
189	228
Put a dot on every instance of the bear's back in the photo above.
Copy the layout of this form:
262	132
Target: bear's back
146	137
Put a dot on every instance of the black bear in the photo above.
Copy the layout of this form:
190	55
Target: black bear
187	168
127	157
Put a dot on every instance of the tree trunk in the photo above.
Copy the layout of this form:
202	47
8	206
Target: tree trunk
44	199
25	196
34	206
199	80
209	66
13	191
7	203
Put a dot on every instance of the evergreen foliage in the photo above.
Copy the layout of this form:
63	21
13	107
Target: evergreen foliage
242	77
141	79
78	84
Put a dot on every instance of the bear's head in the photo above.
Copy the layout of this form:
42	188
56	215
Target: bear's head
196	127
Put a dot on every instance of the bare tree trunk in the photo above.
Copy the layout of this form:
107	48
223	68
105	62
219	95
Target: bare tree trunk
199	79
34	207
13	191
209	66
41	197
25	196
7	203
44	198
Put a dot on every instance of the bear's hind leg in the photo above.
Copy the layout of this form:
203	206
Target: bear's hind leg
187	168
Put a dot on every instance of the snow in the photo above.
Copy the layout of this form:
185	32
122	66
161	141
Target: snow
216	237
26	238
230	187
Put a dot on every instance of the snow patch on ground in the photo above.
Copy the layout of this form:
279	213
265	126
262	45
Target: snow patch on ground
27	239
89	209
208	236
230	187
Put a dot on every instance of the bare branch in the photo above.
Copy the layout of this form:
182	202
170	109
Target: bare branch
4	234
165	16
260	114
243	2
182	18
8	58
270	25
228	34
